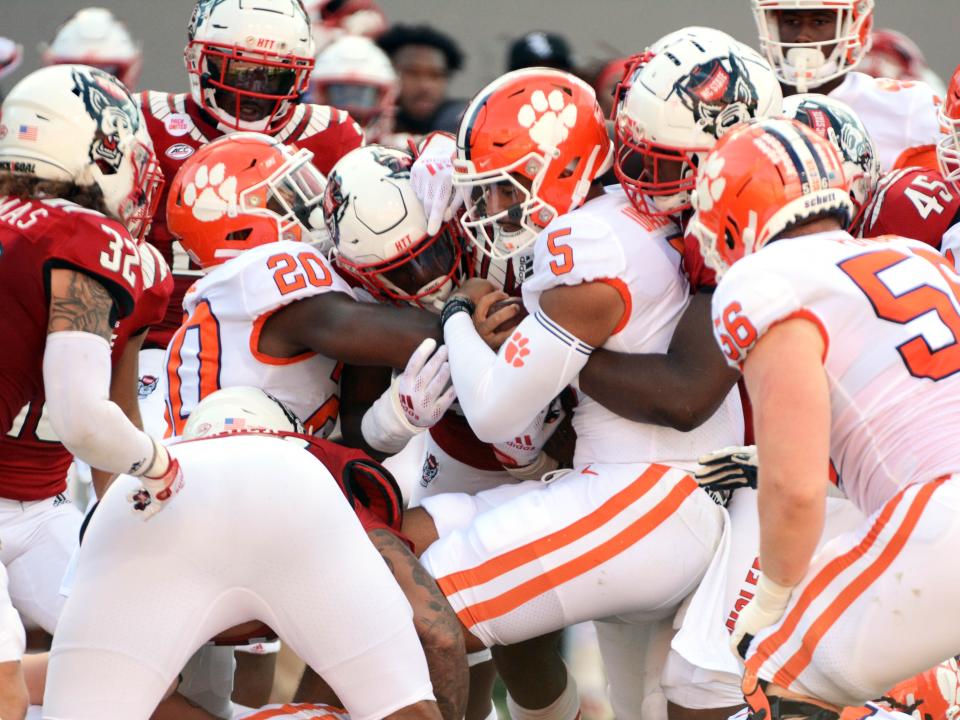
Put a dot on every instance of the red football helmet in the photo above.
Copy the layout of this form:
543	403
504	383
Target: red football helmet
529	146
948	149
760	180
241	191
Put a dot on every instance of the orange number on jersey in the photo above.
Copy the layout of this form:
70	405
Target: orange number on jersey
916	352
326	415
737	333
294	274
564	253
194	365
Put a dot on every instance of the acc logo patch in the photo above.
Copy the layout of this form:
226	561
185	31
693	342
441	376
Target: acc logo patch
180	151
178	124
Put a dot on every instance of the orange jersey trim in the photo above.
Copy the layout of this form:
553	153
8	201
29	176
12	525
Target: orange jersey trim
804	314
270	359
621	287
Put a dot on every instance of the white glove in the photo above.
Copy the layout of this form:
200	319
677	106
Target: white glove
523	456
432	178
765	609
415	400
728	468
161	481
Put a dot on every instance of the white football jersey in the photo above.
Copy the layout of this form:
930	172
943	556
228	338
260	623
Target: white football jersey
607	240
900	116
889	312
217	345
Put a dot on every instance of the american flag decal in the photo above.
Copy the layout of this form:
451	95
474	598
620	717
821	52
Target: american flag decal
27	132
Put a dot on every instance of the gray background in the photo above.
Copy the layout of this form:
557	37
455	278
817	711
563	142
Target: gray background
596	28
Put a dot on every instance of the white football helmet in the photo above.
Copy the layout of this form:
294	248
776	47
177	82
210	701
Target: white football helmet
11	55
240	409
249	63
74	123
840	124
380	231
694	86
355	75
808	65
94	36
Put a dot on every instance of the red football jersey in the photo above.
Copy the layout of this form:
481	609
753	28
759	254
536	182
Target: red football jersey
178	127
912	202
698	274
36	236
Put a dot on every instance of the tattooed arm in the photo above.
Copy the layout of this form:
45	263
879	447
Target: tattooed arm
76	379
440	632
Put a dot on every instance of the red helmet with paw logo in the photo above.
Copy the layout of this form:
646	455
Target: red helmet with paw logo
529	146
241	191
760	180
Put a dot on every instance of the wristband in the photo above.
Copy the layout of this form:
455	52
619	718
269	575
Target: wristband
455	304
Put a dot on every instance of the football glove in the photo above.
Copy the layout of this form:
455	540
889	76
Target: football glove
432	179
728	468
415	400
162	480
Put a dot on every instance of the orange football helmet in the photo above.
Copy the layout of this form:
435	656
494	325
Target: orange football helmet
529	146
948	149
760	180
241	191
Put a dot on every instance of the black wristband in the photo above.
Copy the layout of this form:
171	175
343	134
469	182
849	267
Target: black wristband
455	304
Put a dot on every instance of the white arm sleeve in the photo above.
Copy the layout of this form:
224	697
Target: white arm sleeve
500	394
76	379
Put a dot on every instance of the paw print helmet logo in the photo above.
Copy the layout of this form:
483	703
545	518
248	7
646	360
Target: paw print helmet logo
241	191
760	180
529	146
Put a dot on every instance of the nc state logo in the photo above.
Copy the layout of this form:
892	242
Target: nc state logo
113	111
431	467
719	93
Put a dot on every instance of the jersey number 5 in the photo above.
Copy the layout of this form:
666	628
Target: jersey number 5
563	253
917	352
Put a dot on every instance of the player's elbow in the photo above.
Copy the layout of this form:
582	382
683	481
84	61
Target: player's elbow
686	416
74	430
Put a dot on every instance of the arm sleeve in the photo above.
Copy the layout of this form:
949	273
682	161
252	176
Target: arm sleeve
76	378
500	394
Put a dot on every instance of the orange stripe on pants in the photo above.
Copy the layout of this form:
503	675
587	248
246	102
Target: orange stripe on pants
502	564
819	584
512	599
801	659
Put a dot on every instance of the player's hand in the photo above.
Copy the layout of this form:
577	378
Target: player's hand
475	289
423	389
161	482
432	178
728	468
487	323
765	609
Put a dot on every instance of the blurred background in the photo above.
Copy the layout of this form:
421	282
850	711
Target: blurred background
596	29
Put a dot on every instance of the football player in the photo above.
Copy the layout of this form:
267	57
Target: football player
270	311
798	301
530	151
108	662
78	181
816	47
920	202
94	36
248	65
355	75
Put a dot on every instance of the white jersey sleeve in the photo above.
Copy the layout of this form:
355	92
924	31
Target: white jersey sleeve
901	117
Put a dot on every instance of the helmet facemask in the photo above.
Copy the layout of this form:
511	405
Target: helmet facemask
248	89
503	211
294	196
809	65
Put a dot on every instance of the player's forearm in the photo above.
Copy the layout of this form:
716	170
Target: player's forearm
438	628
502	393
381	335
76	377
791	524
